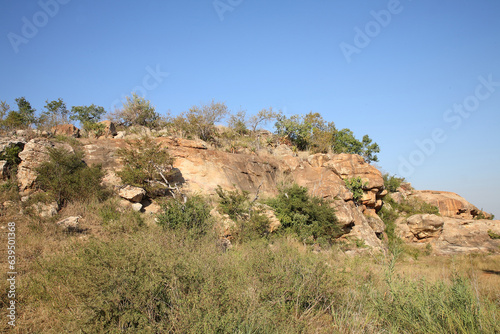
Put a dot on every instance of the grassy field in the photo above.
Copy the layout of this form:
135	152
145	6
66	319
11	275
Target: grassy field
125	274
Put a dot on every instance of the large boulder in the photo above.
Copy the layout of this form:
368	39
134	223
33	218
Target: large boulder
449	204
132	194
66	130
109	128
34	153
450	235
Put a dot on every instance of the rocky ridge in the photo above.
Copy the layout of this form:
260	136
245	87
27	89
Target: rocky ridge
201	170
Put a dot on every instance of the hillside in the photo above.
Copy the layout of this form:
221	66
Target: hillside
110	254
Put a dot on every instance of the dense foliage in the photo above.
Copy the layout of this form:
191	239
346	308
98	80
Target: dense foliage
310	218
356	185
67	178
146	164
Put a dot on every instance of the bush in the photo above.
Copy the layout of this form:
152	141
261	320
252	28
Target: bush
67	178
88	116
250	221
392	183
307	217
144	163
345	142
22	118
11	155
193	214
138	111
200	120
356	185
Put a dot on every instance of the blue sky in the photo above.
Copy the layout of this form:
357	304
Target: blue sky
391	69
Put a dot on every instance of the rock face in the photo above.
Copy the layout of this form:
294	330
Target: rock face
67	130
132	194
450	235
35	152
109	128
69	224
3	169
449	204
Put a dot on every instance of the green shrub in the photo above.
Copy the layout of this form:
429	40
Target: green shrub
493	235
193	214
144	162
355	185
11	155
306	216
138	111
67	178
392	183
233	203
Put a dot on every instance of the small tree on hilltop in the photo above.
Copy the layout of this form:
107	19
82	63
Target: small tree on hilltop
138	111
23	117
89	116
202	119
262	117
55	113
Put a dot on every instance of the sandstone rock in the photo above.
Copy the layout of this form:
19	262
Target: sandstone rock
132	194
109	128
46	210
448	203
137	207
3	169
70	223
377	225
67	130
150	207
355	224
450	235
425	226
120	134
467	236
197	144
34	153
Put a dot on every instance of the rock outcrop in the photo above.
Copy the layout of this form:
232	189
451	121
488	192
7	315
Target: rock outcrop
132	194
67	130
34	153
449	204
109	128
450	235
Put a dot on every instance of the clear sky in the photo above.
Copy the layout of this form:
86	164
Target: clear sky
421	77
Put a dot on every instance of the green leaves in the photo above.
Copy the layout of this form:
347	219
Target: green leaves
87	115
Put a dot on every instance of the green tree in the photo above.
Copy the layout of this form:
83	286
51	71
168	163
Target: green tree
23	117
67	178
305	215
4	110
55	113
88	116
238	123
345	142
138	111
146	164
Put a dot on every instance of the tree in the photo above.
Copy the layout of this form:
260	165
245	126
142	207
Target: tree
23	117
148	165
264	116
4	110
55	113
87	115
202	119
138	111
237	123
345	142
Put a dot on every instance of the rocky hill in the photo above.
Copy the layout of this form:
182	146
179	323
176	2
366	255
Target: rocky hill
199	168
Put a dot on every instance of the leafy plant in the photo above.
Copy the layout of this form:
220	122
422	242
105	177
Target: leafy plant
146	164
192	214
87	115
345	142
67	178
138	111
493	235
11	155
306	216
356	185
392	182
23	117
